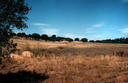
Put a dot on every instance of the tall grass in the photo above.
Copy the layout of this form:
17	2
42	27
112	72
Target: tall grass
73	69
73	65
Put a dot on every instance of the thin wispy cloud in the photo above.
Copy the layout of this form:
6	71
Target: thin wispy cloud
124	30
72	35
95	37
93	28
90	30
50	31
98	25
39	24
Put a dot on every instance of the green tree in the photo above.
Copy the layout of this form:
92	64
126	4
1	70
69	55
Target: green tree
69	39
84	40
53	38
36	36
44	37
91	41
77	39
21	34
12	15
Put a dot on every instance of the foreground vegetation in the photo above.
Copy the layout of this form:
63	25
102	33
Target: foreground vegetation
65	62
71	69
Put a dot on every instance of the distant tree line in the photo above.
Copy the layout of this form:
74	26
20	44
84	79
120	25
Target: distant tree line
45	37
117	40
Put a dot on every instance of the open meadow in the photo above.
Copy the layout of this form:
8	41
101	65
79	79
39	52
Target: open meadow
63	41
65	62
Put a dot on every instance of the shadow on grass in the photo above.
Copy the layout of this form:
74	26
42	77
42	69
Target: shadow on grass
22	77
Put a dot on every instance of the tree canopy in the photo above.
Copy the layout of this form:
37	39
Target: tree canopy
13	14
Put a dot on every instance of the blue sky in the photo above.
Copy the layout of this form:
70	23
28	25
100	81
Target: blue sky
93	19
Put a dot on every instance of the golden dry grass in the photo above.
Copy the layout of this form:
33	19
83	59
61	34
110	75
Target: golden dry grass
73	69
65	63
42	44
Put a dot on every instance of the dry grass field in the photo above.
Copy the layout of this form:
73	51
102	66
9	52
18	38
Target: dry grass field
65	62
